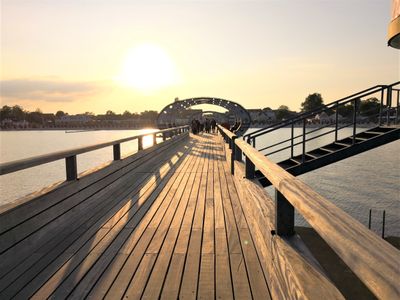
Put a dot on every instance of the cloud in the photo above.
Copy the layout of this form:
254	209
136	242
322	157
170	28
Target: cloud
47	90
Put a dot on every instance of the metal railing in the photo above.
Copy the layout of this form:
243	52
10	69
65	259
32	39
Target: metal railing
388	114
377	261
70	155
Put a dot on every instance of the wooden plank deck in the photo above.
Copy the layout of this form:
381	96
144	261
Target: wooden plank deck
178	231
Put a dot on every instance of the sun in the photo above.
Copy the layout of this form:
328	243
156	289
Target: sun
147	67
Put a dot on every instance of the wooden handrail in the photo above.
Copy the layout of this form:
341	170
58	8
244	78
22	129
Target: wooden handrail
372	259
13	166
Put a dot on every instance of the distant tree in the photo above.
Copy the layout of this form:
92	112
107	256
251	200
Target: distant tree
18	113
267	108
313	101
89	113
283	112
127	114
110	113
60	113
369	107
5	112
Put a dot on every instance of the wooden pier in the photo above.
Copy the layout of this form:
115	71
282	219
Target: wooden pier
178	220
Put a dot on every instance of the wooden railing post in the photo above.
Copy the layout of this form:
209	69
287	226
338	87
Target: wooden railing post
71	168
117	151
292	141
154	139
284	215
140	143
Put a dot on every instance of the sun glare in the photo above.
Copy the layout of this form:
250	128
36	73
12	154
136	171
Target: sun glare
148	68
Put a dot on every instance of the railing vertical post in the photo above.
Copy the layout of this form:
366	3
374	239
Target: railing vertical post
238	153
355	120
233	154
388	104
117	151
336	121
71	168
303	156
230	141
397	106
292	142
154	139
369	219
381	108
250	169
140	143
164	137
284	215
383	224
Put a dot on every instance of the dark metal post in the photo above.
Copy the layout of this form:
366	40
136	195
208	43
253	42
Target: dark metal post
398	106
250	169
117	151
303	156
140	143
381	108
71	168
388	104
369	219
254	142
292	141
383	224
355	120
336	121
284	215
164	137
238	153
232	143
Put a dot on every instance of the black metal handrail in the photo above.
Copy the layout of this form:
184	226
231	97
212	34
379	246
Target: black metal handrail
387	110
70	155
332	105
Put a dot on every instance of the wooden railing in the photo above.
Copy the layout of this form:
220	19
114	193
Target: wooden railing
70	155
371	258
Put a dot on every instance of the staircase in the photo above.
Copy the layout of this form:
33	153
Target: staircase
305	156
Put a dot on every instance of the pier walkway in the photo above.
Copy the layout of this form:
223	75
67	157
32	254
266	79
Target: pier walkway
185	218
173	228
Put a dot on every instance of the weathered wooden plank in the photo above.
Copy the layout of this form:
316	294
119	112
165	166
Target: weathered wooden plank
206	277
139	280
173	277
191	271
241	285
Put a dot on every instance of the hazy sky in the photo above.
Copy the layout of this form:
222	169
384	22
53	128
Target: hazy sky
95	55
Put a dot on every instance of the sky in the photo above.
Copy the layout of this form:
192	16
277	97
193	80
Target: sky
97	55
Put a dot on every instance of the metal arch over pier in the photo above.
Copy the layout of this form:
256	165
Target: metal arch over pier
167	115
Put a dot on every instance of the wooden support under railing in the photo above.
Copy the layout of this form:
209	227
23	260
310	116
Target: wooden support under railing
371	258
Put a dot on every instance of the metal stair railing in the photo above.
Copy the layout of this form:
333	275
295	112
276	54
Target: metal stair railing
388	114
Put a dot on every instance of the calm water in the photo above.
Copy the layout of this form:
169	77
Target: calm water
369	180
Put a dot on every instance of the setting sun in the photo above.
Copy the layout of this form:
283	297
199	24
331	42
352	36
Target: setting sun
147	68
